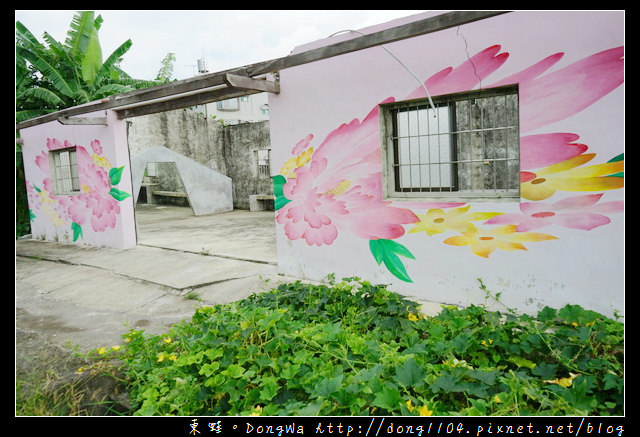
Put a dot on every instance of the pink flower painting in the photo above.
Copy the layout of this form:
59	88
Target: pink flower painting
337	188
340	190
97	202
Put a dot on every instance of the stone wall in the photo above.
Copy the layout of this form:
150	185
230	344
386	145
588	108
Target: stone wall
230	150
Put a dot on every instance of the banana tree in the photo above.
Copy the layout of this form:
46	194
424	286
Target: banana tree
59	75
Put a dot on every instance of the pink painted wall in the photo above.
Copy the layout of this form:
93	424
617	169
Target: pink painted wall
102	214
561	243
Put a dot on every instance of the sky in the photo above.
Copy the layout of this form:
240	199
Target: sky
225	38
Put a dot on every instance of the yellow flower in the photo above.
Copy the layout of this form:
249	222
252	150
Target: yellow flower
295	162
257	411
413	317
497	399
116	347
173	357
484	241
168	340
101	351
484	342
425	411
161	357
436	221
339	189
80	370
410	406
574	324
565	176
127	340
101	161
563	382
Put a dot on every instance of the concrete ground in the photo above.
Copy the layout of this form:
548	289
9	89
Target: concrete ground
86	297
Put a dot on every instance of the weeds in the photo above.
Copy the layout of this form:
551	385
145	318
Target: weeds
354	348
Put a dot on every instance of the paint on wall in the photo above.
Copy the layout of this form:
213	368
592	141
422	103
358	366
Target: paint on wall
335	188
96	207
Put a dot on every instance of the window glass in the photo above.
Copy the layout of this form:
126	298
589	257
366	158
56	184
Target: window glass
467	146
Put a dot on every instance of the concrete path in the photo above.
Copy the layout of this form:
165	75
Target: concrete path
88	297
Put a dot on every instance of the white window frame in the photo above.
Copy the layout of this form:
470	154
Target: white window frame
463	172
64	171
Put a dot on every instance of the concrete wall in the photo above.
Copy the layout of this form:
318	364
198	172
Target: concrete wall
229	150
561	242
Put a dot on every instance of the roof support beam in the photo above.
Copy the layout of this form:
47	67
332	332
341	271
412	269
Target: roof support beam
83	120
182	102
245	82
177	90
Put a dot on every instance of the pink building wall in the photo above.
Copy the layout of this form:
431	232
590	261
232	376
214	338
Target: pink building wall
102	213
561	243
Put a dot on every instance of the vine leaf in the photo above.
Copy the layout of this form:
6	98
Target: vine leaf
387	251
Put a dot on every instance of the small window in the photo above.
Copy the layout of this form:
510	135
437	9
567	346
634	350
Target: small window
264	162
466	148
228	105
64	171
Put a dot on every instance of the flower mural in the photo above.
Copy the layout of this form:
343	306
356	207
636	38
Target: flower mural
97	203
337	187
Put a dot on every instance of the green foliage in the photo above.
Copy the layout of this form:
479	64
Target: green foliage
51	76
354	348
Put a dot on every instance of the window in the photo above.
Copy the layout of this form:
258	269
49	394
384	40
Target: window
228	105
466	148
263	162
64	171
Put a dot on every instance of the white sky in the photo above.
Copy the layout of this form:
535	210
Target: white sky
225	38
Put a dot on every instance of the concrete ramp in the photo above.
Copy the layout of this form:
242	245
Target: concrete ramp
207	190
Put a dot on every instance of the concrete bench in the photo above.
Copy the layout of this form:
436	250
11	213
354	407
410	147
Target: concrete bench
161	193
257	202
169	193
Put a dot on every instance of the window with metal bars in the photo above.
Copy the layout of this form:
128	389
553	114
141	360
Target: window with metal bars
464	147
64	171
264	161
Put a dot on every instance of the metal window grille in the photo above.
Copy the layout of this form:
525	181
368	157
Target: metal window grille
467	144
264	162
65	171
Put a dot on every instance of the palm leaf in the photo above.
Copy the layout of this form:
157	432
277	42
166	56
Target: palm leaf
62	53
25	37
115	57
28	114
79	33
48	97
47	70
110	89
92	58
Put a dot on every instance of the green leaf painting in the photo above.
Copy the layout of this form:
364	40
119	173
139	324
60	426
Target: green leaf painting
388	252
115	174
278	182
77	231
118	194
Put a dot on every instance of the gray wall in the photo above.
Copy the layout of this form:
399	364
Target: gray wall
230	150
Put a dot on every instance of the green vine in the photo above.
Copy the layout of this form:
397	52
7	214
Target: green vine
355	348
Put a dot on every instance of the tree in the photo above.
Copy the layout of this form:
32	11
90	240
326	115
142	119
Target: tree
166	71
55	75
60	75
